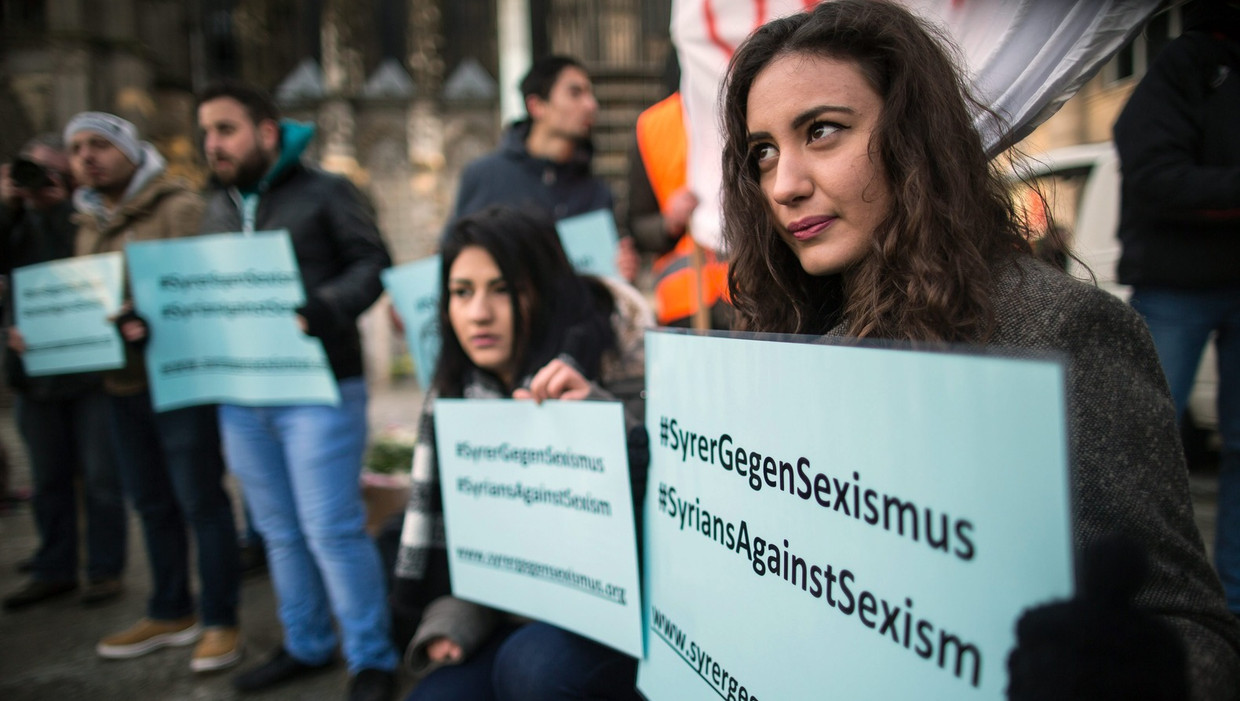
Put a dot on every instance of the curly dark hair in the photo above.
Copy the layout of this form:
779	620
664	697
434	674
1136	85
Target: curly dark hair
929	272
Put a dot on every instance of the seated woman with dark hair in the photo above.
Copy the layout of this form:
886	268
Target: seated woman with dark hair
859	203
518	321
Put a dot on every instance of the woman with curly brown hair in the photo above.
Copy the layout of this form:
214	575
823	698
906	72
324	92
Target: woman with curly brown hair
859	202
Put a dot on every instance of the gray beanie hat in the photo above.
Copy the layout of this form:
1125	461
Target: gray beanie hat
121	132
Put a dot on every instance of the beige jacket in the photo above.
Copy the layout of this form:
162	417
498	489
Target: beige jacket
165	207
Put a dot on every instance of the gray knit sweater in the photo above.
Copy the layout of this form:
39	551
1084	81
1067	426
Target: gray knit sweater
1128	471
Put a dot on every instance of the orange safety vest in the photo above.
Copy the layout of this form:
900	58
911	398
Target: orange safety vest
664	148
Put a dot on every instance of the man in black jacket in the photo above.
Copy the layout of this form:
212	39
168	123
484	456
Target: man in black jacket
1179	147
299	465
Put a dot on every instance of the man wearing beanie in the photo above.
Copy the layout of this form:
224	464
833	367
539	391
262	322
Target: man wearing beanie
300	465
170	463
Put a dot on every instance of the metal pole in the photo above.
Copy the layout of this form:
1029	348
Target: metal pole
514	55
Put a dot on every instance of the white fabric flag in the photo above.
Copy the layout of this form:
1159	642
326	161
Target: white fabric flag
1025	59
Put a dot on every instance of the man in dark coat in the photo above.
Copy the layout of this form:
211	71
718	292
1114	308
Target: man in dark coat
1179	150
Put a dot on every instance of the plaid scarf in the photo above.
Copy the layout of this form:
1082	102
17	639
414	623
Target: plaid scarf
422	533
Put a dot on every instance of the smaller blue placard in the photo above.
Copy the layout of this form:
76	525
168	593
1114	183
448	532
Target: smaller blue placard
63	310
590	240
538	513
414	289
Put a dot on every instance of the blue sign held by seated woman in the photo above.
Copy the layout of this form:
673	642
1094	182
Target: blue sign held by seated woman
520	323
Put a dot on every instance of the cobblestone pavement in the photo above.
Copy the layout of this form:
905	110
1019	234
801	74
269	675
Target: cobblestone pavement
47	651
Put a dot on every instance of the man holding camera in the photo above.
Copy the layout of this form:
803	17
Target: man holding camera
62	418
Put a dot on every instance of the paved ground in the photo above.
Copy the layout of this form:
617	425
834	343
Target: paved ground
47	651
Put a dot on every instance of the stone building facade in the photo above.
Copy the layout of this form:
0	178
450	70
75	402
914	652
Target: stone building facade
403	92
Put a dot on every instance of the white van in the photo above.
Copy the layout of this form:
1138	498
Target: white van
1081	186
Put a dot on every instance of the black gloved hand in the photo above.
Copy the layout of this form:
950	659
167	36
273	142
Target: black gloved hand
318	316
1097	646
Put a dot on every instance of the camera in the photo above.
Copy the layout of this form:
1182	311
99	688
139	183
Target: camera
29	175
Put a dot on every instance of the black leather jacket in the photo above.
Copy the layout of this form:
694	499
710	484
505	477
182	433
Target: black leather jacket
337	245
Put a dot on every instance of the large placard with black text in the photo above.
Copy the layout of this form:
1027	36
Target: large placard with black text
873	521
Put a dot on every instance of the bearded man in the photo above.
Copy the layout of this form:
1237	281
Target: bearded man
299	466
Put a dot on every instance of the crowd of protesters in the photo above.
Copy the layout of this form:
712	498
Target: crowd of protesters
98	189
859	202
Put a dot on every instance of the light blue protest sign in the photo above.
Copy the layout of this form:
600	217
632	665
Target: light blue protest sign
221	311
538	513
62	310
871	522
590	241
414	289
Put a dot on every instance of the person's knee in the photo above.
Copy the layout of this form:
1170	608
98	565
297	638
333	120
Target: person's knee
102	476
334	546
341	522
278	527
202	501
525	668
161	509
545	663
346	519
541	661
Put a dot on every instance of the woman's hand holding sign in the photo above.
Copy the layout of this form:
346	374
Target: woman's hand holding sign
444	651
556	380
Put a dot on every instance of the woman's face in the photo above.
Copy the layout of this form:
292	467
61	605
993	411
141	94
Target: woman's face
480	309
810	120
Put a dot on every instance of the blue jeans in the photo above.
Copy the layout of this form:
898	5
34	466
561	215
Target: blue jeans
173	470
299	467
66	438
1181	322
538	662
